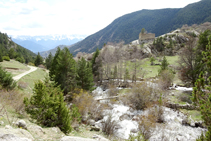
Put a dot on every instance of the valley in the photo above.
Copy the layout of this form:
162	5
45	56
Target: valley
144	77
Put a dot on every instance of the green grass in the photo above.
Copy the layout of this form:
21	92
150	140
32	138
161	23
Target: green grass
16	67
14	64
151	71
194	114
32	77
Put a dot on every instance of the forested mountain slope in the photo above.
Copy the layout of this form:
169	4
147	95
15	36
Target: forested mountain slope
13	50
128	27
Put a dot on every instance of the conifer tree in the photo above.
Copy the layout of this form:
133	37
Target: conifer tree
202	93
47	106
11	53
85	76
95	64
164	65
39	60
6	80
54	63
48	61
63	70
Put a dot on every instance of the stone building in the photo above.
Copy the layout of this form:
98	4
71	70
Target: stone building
146	37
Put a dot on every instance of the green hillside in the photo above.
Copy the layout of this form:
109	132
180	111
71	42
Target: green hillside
14	51
128	27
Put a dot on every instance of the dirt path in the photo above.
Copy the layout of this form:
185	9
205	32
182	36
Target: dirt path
16	78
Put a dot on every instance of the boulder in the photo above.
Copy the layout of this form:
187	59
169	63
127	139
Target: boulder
11	137
185	122
124	117
15	133
99	138
91	122
71	138
36	130
133	130
181	39
8	127
1	123
21	124
94	128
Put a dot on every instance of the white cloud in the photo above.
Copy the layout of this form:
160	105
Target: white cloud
43	17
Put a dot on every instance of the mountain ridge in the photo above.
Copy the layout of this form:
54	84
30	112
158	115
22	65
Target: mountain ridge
45	42
161	21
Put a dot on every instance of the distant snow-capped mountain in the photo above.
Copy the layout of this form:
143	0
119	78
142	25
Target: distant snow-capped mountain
45	42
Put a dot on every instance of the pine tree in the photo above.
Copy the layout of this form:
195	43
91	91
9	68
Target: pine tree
48	61
85	76
202	93
47	106
6	80
164	65
63	70
12	53
39	60
54	64
95	64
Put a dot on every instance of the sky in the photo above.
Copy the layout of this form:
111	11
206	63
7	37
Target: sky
70	17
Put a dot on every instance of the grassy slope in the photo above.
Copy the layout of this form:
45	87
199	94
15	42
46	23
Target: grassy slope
16	65
31	78
152	71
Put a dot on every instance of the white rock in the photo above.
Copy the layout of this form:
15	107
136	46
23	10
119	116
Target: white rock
11	137
8	127
99	138
1	123
21	124
70	138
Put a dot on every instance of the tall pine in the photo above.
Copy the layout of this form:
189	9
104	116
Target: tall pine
48	61
39	60
202	92
84	75
63	70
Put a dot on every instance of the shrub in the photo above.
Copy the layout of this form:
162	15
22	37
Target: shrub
166	78
87	105
19	59
6	58
141	94
109	126
47	106
6	80
13	99
76	116
31	64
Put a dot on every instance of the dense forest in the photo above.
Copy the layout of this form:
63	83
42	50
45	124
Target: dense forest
10	50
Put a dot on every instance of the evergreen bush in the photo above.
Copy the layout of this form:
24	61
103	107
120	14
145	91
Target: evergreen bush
6	80
6	58
47	106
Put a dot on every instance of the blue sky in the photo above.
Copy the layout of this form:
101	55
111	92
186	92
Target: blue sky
82	17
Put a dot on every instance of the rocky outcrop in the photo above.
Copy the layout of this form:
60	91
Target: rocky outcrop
11	137
9	133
